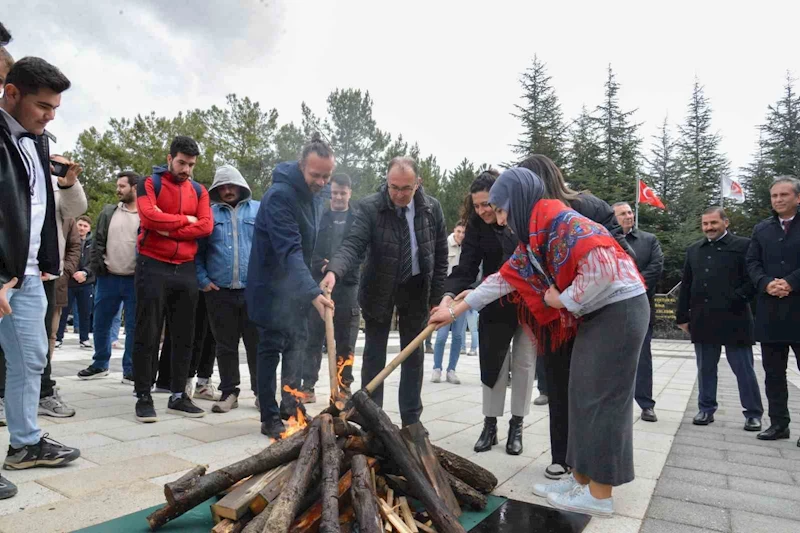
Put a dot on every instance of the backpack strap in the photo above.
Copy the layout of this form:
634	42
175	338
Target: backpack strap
156	179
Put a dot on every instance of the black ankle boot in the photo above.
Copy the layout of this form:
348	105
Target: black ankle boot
514	442
488	436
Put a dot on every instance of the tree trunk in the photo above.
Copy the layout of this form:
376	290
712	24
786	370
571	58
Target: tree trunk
473	475
195	491
176	489
379	423
363	498
288	502
331	461
465	494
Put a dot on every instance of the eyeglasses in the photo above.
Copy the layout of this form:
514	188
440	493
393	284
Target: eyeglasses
407	189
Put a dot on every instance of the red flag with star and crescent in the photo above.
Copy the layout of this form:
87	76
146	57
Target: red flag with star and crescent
648	196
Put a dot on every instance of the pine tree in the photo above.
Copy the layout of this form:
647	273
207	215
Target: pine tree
663	171
541	117
757	178
455	189
782	133
702	165
432	176
620	146
583	157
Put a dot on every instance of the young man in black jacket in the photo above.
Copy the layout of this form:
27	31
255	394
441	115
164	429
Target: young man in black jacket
28	248
401	231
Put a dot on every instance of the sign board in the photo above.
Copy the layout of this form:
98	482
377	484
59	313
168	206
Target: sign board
666	306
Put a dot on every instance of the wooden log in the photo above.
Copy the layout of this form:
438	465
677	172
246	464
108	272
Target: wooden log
259	521
343	428
406	515
232	526
465	494
237	502
363	498
331	461
379	423
473	475
287	503
420	448
174	490
391	517
279	477
347	520
197	490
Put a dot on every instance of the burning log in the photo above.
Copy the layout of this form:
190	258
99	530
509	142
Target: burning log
331	461
196	490
287	503
473	475
363	498
379	423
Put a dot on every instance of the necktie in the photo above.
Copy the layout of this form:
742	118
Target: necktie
786	224
405	247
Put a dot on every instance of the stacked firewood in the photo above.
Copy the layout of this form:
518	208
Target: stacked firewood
353	471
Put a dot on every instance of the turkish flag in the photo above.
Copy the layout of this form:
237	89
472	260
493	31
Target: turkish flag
648	196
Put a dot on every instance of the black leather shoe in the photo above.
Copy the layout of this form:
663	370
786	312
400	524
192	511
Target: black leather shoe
703	419
774	433
798	443
514	442
752	424
273	428
648	415
488	436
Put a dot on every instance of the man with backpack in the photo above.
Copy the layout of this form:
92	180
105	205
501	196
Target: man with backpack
174	212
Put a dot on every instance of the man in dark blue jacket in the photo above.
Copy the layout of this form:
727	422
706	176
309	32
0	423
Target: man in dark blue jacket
773	262
280	287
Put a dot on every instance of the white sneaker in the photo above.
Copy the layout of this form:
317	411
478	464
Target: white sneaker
452	378
207	392
580	500
436	377
561	486
472	353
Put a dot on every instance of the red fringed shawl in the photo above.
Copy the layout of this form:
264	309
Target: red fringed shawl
559	240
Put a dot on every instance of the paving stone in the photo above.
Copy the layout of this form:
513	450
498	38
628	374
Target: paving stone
695	451
760	460
632	499
744	522
694	476
699	432
651	525
34	474
663	428
723	467
499	463
615	524
442	428
75	485
520	485
31	494
143	431
648	464
684	440
87	441
727	499
208	433
213	452
654	442
115	453
692	514
765	488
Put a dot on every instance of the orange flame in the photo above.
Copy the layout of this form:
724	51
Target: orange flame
298	422
340	366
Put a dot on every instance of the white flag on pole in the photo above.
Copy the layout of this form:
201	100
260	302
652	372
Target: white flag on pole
732	189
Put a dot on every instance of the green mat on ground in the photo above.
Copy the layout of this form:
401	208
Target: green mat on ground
199	520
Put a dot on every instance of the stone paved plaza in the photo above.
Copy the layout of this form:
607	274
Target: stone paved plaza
688	479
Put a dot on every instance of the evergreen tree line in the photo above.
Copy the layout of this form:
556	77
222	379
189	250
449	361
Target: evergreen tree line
600	151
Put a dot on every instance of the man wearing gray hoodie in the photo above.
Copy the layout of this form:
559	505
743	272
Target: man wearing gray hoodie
221	263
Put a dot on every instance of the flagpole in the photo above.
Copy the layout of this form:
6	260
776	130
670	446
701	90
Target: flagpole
638	189
722	191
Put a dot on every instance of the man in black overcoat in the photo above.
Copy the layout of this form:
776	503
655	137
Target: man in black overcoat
714	308
773	262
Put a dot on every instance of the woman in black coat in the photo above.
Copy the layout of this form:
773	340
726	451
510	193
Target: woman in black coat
485	242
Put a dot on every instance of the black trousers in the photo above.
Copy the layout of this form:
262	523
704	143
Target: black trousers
163	290
346	320
775	358
204	348
556	368
48	383
413	315
643	392
227	317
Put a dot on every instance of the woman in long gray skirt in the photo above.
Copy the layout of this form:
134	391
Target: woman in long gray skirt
573	280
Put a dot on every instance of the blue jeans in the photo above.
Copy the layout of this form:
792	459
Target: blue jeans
740	358
472	322
82	296
25	343
116	323
113	291
458	328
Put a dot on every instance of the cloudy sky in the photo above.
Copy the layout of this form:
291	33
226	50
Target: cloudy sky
442	73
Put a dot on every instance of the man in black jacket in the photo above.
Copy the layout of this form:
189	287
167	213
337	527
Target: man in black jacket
714	308
650	261
773	262
28	247
333	228
401	230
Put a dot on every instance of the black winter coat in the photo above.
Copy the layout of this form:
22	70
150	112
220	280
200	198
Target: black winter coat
774	254
323	249
376	233
15	209
716	291
599	211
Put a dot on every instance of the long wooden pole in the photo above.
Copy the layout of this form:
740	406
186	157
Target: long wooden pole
331	340
397	361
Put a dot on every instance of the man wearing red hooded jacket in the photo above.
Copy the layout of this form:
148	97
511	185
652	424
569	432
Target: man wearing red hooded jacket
174	212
